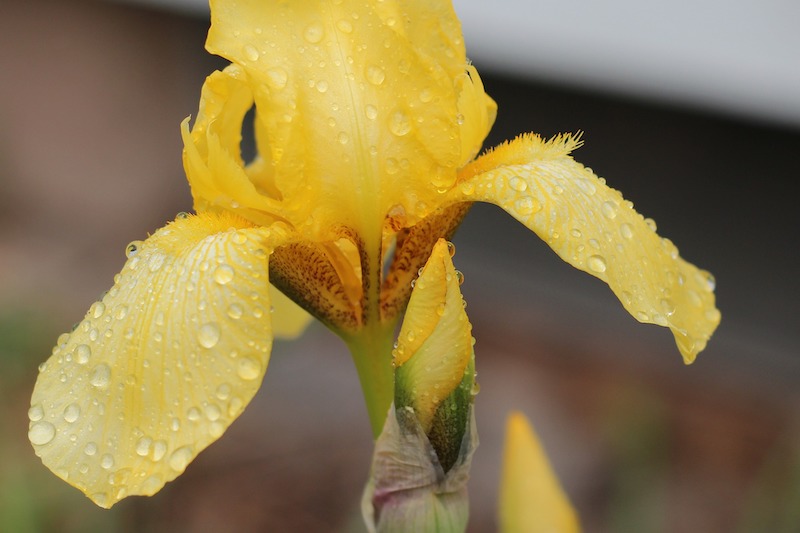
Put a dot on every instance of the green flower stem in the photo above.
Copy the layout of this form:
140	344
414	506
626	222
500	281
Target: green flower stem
371	349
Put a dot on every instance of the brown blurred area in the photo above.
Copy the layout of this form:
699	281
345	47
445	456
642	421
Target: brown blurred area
91	96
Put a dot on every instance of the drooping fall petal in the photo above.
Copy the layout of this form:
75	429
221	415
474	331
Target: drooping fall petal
531	498
163	364
591	226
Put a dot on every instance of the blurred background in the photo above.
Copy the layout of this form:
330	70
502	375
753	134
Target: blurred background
692	110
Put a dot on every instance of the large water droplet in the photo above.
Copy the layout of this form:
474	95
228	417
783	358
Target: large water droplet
41	433
97	309
375	75
277	78
208	335
90	449
626	231
597	263
101	376
180	458
107	461
371	111
314	33
82	354
235	311
133	248
609	210
248	368
223	274
35	413
143	446
159	450
518	184
527	205
399	123
250	52
72	412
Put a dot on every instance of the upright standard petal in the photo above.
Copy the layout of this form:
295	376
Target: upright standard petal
591	226
360	107
163	364
531	498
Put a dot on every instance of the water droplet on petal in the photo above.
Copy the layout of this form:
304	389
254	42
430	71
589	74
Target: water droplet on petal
344	26
587	186
82	354
609	209
248	368
626	231
212	412
314	33
451	248
143	446
399	123
208	335
651	224
235	311
107	461
518	184
35	413
460	277
180	458
223	274
101	376
72	412
90	449
527	205
375	75
371	111
41	433
277	78
250	52
597	263
97	309
133	248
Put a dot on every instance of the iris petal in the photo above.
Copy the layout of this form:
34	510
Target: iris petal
531	498
592	227
163	364
360	107
435	341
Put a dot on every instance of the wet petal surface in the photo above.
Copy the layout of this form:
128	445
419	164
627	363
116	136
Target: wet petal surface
163	364
593	228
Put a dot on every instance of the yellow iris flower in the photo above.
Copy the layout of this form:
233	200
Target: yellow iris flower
368	122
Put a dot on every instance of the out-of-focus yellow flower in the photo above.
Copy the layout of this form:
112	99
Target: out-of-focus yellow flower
368	118
531	498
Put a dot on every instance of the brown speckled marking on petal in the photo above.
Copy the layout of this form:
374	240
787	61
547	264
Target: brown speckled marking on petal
414	246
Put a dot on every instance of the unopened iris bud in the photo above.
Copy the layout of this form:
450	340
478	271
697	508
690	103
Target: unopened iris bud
422	458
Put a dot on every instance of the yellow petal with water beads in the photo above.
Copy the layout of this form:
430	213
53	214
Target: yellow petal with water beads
434	346
360	107
593	228
163	364
531	498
